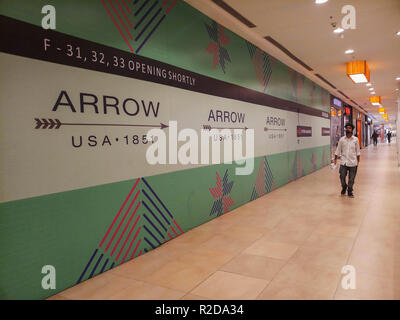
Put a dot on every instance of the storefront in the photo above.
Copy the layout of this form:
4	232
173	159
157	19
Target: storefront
336	123
358	120
347	115
359	127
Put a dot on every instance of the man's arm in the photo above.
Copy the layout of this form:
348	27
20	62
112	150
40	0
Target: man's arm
338	151
358	152
335	161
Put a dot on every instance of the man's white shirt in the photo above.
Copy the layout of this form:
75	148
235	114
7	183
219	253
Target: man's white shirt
348	149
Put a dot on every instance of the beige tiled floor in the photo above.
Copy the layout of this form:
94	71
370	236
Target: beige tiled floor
289	244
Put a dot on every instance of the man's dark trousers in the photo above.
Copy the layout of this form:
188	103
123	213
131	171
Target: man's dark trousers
352	175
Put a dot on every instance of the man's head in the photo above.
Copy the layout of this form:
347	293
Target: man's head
349	128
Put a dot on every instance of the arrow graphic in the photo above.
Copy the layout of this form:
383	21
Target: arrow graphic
56	124
269	129
208	127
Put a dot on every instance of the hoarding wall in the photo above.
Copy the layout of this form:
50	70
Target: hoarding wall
77	192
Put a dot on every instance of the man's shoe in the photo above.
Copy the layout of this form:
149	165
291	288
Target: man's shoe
343	191
351	195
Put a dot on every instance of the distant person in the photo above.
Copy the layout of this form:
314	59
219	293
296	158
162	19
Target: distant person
389	136
349	152
375	138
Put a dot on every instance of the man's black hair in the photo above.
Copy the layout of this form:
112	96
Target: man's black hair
349	125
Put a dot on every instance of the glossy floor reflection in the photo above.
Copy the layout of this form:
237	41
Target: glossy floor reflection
289	244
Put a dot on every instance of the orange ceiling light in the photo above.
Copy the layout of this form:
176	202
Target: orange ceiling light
358	71
375	100
385	116
382	110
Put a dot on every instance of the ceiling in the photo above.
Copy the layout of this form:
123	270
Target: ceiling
304	28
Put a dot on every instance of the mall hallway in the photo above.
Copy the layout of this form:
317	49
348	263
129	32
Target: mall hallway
289	244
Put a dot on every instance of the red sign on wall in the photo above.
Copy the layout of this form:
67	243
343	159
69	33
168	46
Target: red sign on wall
326	131
303	131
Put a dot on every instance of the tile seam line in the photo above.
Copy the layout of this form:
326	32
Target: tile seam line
241	252
300	244
235	255
190	290
284	265
147	283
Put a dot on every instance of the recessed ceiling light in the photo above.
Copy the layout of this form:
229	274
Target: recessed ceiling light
350	51
398	78
371	89
320	1
368	84
373	92
338	30
358	78
398	33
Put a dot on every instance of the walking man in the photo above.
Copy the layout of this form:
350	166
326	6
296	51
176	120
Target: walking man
349	152
389	136
375	138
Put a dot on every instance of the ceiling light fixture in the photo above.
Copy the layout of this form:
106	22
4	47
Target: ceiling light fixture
375	100
320	1
338	30
373	92
382	110
398	33
368	84
398	78
358	71
350	51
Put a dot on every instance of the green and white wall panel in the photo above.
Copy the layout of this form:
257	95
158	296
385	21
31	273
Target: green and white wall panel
76	192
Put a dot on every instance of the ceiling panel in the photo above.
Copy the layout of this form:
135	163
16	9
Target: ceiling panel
305	29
